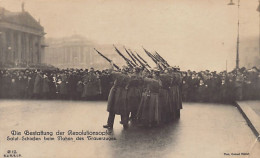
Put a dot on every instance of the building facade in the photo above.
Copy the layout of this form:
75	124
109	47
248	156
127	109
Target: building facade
22	38
77	52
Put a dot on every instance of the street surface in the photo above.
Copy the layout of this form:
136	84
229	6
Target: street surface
204	131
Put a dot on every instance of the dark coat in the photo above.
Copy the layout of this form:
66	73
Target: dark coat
117	95
149	111
37	84
134	93
92	85
64	85
45	85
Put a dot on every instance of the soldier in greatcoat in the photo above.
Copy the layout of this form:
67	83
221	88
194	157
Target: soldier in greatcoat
117	98
149	112
134	92
175	93
164	95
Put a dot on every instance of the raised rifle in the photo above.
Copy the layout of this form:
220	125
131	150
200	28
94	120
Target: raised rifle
165	62
160	61
109	60
142	59
141	63
128	62
136	64
153	58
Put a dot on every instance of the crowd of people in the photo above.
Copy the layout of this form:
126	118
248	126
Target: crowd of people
224	87
79	84
151	96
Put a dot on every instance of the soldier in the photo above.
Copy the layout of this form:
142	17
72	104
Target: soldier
149	112
117	98
134	92
175	93
164	95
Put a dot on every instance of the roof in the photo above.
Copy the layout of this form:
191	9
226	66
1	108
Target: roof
19	18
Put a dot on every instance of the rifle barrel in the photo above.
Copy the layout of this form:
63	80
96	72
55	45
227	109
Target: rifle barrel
109	60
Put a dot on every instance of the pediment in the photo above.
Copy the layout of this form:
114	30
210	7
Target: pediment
23	19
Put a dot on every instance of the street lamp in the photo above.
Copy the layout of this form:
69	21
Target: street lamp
258	9
237	51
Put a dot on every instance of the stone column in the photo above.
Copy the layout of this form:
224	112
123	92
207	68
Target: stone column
30	54
38	51
35	50
19	46
3	48
27	48
11	46
71	56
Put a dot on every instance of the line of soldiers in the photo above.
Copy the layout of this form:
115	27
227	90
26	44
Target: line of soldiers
151	98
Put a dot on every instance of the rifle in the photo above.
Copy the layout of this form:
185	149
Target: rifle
142	64
142	59
109	60
153	58
128	62
160	61
131	57
165	62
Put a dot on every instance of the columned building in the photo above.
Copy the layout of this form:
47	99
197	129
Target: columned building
78	52
21	37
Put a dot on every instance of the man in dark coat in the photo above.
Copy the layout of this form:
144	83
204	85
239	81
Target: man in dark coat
92	87
37	90
134	92
117	98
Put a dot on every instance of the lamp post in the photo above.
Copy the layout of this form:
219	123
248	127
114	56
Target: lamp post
237	50
258	9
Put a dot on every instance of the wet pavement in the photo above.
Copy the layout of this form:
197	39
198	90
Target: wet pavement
203	131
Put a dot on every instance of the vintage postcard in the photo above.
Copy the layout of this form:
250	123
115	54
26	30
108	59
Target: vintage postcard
123	79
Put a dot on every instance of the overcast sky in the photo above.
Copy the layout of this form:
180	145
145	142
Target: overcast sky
194	34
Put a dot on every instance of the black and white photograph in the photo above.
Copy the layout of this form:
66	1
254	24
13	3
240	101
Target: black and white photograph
130	79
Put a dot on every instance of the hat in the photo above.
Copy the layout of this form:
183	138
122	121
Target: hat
138	69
